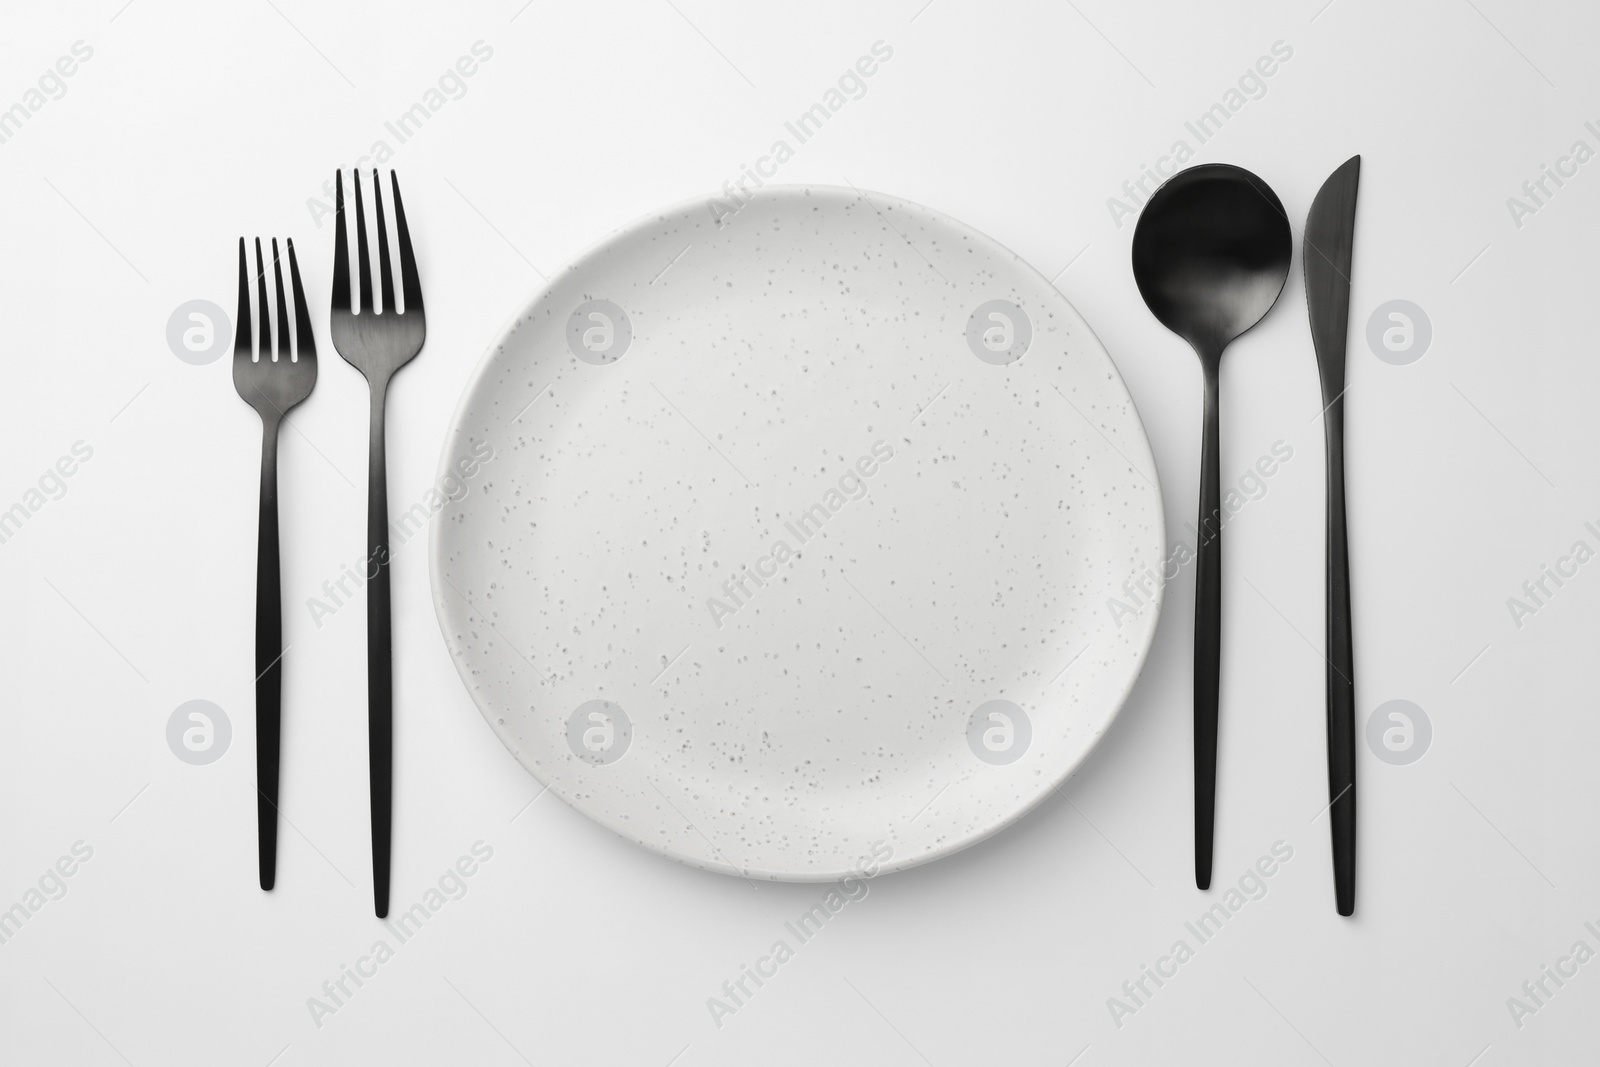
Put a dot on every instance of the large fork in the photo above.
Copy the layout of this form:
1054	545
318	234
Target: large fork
272	382
377	344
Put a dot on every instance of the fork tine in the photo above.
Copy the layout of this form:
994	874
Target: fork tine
264	349
305	344
385	277
341	248
283	306
410	284
362	262
243	334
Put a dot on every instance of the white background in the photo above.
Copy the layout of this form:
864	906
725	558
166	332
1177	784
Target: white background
1469	469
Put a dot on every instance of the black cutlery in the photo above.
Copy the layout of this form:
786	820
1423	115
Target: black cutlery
1330	240
1210	255
271	381
377	343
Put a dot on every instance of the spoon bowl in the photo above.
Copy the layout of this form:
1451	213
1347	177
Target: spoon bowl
1210	256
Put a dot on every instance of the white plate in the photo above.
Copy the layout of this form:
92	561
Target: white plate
958	477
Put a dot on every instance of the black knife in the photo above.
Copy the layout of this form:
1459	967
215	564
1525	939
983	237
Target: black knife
1330	236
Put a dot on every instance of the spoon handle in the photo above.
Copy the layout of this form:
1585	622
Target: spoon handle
1341	675
1207	636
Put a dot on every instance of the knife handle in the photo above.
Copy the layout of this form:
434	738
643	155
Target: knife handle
1207	633
1341	675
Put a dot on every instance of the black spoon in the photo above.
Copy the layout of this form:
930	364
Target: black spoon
1210	255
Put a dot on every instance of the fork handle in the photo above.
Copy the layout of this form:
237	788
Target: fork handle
269	657
380	692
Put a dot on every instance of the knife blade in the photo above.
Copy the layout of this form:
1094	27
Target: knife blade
1329	244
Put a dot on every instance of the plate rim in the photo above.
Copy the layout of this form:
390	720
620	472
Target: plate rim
957	843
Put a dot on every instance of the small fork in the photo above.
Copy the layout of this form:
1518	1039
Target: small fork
377	344
272	382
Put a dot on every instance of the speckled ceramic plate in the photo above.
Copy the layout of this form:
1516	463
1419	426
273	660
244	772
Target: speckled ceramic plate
799	536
